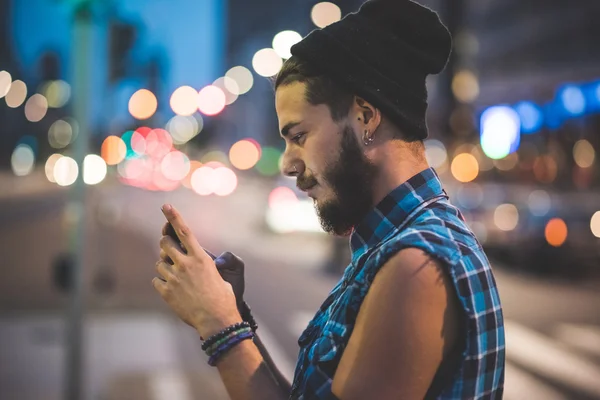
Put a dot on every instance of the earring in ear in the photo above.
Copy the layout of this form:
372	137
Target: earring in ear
367	140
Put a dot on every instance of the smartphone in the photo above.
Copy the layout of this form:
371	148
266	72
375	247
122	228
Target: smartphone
230	266
171	232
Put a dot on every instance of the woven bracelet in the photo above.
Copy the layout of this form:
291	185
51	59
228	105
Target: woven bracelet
232	342
220	335
213	348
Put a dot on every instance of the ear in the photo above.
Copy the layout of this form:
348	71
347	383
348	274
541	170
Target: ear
367	118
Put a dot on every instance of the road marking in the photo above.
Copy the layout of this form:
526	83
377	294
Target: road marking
169	384
283	362
582	337
519	385
550	359
299	321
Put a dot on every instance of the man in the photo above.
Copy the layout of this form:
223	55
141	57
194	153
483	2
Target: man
417	312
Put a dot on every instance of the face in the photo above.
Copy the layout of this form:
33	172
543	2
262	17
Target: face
329	159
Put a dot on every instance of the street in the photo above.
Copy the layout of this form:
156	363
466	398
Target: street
135	348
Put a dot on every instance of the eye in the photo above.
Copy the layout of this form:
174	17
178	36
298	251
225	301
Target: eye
296	138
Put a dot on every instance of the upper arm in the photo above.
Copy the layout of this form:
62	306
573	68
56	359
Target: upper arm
407	322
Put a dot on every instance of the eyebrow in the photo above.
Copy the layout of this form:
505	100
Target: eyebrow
285	131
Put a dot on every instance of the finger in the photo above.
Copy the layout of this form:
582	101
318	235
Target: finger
165	228
160	286
184	233
165	257
164	270
171	249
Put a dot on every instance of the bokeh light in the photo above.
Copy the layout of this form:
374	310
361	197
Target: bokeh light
211	100
464	167
507	163
94	169
22	160
465	86
595	224
202	181
229	87
266	62
531	116
36	108
214	155
60	134
545	169
283	42
280	196
269	161
584	153
244	154
66	171
325	13
187	181
500	131
113	150
435	152
556	232
572	100
5	83
158	143
183	129
57	93
506	217
16	94
225	181
49	166
143	104
175	166
470	196
485	163
184	100
243	79
539	203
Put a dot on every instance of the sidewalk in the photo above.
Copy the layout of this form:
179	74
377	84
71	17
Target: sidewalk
34	184
142	356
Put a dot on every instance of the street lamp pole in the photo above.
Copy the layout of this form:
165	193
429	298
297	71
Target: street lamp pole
82	26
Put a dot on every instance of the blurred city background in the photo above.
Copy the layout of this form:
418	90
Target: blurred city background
108	109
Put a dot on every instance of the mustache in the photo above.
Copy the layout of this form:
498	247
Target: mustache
305	182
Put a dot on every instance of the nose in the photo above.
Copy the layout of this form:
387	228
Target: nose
291	166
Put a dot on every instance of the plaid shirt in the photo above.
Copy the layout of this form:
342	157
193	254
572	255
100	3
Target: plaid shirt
415	214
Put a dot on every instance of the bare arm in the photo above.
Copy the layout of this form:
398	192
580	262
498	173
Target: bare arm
407	323
247	375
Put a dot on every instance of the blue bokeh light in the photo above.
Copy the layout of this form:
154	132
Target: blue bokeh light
531	116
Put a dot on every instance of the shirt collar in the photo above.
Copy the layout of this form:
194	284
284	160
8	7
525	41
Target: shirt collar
393	210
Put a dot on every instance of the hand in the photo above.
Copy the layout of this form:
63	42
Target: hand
192	286
230	266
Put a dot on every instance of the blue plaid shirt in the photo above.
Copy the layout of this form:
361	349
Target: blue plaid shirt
416	214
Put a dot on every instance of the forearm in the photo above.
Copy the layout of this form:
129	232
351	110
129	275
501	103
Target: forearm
246	375
283	383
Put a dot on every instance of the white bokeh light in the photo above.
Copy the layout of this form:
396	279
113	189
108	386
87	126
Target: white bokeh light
66	171
266	62
94	169
283	42
243	79
22	160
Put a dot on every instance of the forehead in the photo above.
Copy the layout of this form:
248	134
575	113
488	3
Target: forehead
292	107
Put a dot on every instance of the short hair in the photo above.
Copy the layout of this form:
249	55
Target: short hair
320	89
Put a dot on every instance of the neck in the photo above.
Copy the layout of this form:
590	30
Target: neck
397	166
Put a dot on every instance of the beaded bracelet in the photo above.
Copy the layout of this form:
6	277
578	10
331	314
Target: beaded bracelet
228	345
219	335
212	349
246	314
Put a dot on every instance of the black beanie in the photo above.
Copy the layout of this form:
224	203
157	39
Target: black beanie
384	53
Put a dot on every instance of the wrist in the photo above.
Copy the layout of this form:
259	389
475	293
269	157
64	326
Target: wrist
215	326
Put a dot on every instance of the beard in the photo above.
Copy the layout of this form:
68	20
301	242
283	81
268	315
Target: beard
351	178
